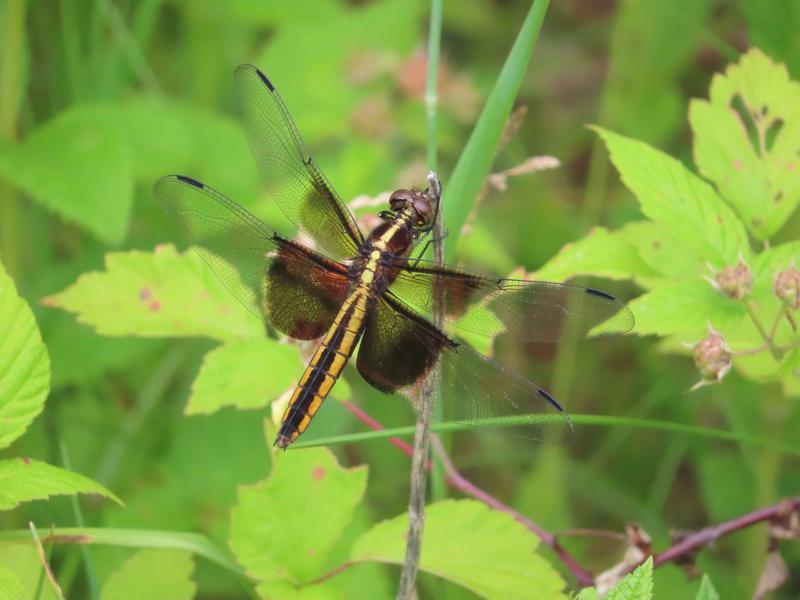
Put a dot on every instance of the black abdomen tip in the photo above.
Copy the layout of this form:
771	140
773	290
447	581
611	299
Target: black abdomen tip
190	181
282	441
266	80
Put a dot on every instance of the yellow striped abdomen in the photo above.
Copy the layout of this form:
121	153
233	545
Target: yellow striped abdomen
326	365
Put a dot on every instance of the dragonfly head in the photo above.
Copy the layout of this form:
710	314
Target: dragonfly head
415	202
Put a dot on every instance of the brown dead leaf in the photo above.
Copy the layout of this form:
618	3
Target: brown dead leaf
639	547
786	525
773	576
533	164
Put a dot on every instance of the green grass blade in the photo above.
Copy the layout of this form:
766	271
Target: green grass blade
86	557
475	162
589	420
431	97
133	538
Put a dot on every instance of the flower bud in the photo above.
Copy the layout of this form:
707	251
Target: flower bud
736	281
787	287
712	357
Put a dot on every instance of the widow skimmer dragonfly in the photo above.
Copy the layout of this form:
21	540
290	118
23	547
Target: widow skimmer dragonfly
368	290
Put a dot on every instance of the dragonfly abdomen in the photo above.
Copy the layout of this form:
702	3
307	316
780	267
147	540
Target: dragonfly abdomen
324	367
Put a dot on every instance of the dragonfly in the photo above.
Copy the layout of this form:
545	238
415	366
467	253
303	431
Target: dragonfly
353	291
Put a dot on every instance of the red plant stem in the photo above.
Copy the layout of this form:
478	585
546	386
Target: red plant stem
457	481
461	483
710	534
585	578
374	425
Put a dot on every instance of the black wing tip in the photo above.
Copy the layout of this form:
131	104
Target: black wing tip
549	397
264	79
601	294
190	181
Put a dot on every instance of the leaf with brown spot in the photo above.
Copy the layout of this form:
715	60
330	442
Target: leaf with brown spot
286	526
163	293
747	139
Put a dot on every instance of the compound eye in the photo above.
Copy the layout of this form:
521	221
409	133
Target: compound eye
423	208
399	198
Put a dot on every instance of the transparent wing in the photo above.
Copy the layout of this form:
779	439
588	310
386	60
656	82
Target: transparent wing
292	178
299	290
527	310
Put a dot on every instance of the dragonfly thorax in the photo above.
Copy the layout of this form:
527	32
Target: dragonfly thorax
394	238
416	204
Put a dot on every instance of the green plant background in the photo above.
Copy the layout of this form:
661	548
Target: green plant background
98	99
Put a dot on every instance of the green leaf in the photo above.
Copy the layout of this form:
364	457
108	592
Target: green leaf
776	258
687	308
219	152
637	585
11	587
601	253
455	546
643	91
284	527
326	590
152	574
661	252
306	80
82	164
22	480
78	167
23	561
476	160
24	364
155	294
678	201
771	27
233	375
752	157
589	593
706	591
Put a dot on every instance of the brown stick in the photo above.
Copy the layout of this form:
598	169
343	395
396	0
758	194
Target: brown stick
420	463
712	533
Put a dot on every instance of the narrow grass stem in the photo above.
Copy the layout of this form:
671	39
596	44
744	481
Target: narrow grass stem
77	513
420	462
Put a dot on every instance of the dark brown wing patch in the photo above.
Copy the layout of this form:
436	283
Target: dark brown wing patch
299	290
303	292
399	347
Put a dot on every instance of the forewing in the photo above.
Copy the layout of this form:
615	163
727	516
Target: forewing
400	348
292	178
528	310
297	289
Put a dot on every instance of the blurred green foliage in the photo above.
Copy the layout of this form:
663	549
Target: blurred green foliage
99	98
